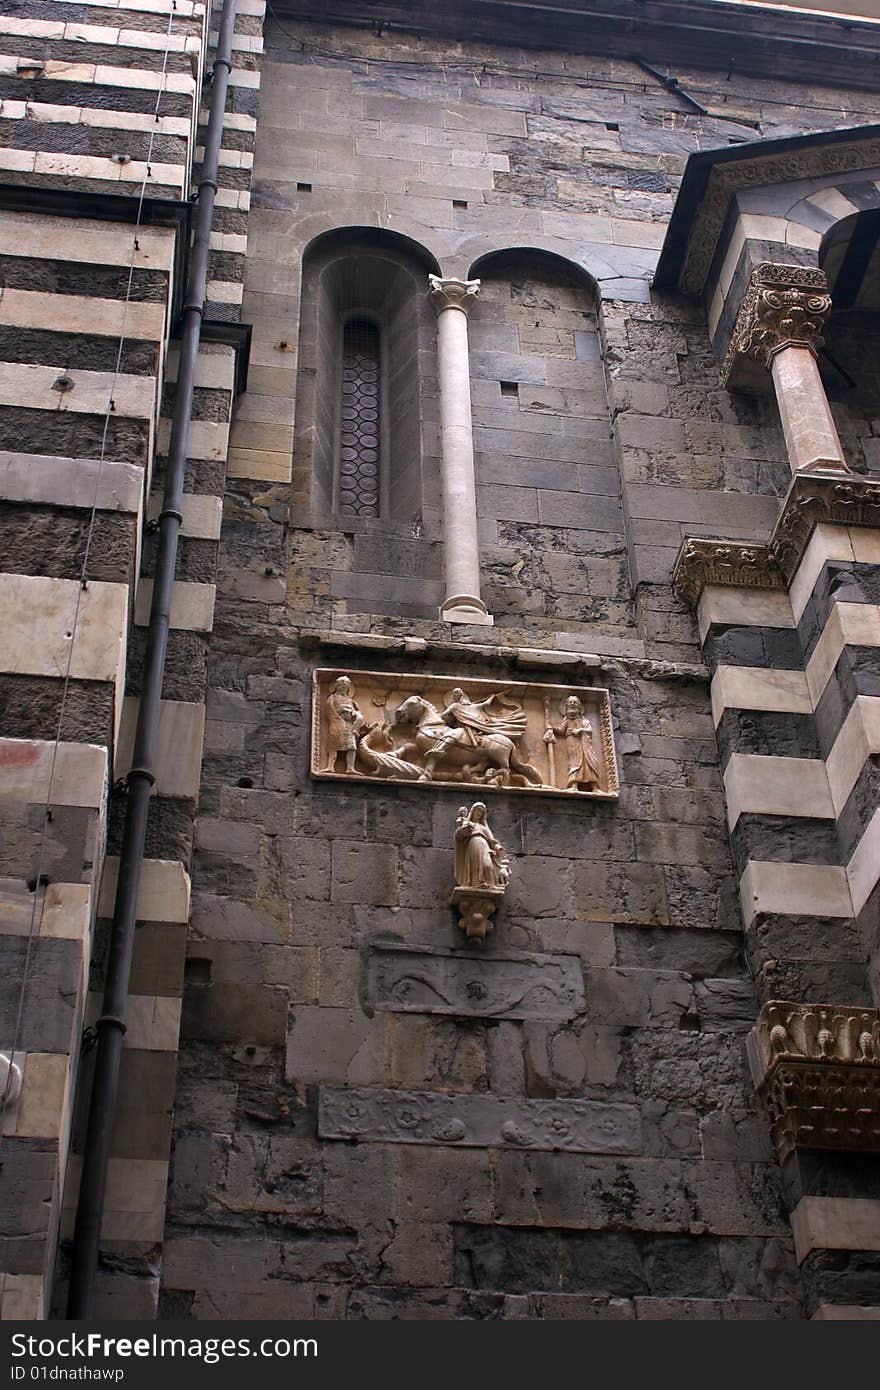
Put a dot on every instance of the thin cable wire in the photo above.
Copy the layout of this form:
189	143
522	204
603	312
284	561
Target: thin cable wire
83	575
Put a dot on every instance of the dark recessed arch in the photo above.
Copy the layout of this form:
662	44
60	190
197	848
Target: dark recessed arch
377	237
370	275
511	257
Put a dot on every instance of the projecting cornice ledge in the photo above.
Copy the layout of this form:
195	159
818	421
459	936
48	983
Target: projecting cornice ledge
811	499
701	227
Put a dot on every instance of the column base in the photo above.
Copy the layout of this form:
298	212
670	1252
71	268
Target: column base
464	608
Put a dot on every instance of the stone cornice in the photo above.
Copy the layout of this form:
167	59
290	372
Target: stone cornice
734	563
683	34
812	498
784	306
713	177
816	1068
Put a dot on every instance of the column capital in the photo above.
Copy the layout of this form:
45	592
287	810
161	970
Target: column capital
784	306
452	293
816	1067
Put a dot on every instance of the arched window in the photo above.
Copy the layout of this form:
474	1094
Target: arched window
359	482
366	446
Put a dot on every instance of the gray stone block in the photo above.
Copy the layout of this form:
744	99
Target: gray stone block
364	873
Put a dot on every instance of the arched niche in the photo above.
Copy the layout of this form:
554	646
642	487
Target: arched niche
377	279
850	358
545	470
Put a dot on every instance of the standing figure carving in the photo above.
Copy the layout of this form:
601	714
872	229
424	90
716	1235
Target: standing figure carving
482	871
577	731
480	859
345	724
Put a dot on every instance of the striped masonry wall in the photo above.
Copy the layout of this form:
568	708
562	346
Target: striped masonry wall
99	123
132	1234
796	704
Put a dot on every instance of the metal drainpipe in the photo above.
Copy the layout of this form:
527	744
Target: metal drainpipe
111	1025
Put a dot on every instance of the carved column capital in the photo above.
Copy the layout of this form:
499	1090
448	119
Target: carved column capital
452	293
816	1067
784	306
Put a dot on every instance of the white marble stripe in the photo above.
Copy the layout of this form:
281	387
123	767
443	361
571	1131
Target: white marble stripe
97	243
743	607
828	542
794	890
179	742
847	625
34	385
63	774
75	313
858	739
835	1223
192	605
769	786
163	894
759	688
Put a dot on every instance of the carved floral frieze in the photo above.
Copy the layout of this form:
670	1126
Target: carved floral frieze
764	169
480	1121
817	1071
372	726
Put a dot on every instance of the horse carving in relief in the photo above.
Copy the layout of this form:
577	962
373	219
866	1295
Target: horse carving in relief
477	739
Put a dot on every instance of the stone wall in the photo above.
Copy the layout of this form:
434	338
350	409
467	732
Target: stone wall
465	1154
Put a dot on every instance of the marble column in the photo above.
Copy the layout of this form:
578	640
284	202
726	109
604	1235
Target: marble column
780	325
461	555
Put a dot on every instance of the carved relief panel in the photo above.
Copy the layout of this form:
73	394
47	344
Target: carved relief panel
376	726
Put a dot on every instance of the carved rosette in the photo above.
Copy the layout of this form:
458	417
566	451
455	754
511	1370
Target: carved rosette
452	293
817	1071
784	306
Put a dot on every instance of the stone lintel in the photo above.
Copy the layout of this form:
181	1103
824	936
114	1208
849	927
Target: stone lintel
816	1068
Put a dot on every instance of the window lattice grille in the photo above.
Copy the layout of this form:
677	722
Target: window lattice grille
359	450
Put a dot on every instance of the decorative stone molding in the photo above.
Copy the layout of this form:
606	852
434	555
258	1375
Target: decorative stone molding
701	562
784	306
371	726
817	1071
452	293
468	984
727	179
478	1121
812	498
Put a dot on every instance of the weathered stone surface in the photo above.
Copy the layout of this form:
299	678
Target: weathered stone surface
426	1117
409	979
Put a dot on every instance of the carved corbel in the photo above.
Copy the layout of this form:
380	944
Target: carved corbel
817	1071
784	306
